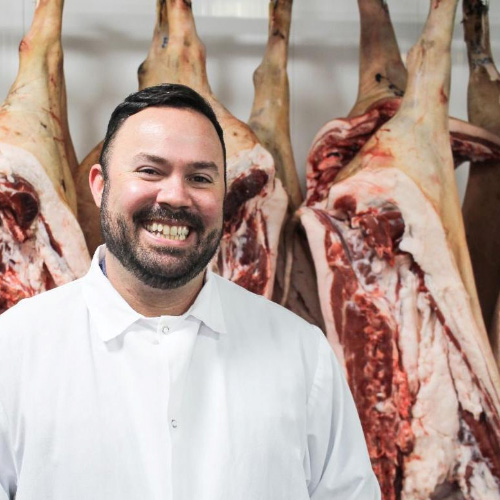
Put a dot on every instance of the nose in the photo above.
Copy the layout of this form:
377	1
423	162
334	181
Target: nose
174	191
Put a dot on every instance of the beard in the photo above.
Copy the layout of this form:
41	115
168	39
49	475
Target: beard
148	264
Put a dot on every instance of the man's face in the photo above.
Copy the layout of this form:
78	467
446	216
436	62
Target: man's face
162	204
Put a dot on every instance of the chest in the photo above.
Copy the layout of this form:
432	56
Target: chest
167	411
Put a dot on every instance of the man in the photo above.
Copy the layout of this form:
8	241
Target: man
152	378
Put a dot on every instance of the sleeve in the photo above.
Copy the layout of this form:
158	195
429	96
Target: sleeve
8	474
7	466
337	462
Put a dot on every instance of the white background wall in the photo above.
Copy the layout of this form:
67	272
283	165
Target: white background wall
105	41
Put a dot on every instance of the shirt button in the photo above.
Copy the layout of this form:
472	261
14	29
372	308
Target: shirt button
173	422
165	329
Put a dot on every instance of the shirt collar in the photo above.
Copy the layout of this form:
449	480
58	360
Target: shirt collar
208	307
112	315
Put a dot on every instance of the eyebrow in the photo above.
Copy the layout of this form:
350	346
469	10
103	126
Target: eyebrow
195	165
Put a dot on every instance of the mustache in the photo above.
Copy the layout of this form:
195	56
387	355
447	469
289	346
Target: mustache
181	216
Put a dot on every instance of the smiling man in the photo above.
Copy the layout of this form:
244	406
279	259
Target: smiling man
151	377
160	185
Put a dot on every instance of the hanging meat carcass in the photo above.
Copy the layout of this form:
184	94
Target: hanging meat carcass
483	189
381	85
398	297
382	75
256	202
295	285
41	244
382	80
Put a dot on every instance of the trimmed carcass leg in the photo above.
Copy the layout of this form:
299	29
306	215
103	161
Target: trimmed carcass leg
270	117
483	188
382	74
398	296
41	244
295	284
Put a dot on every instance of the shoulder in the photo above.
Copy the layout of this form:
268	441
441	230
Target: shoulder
278	340
38	330
31	313
249	303
248	312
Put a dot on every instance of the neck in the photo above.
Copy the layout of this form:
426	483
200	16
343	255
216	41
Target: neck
148	301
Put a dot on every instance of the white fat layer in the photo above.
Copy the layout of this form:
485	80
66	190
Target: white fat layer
268	209
316	234
341	128
61	221
481	483
244	161
438	375
435	414
27	260
425	239
409	323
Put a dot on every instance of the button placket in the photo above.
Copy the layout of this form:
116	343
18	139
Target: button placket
179	368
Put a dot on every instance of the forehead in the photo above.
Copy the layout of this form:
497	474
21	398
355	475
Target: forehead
170	132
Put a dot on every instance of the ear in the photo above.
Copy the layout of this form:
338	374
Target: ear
96	182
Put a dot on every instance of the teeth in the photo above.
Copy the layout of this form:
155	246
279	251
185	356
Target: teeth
179	233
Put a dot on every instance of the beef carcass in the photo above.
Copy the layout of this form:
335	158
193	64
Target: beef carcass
41	244
398	297
483	189
256	201
295	284
382	81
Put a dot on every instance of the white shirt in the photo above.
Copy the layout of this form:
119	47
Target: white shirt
238	398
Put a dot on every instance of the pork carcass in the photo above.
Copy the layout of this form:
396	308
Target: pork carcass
382	81
295	284
256	202
483	189
41	244
398	297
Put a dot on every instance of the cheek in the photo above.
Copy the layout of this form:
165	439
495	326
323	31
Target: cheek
131	196
212	208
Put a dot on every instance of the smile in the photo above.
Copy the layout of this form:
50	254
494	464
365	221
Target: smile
166	231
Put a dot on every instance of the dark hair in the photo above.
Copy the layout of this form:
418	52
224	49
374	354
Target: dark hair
168	95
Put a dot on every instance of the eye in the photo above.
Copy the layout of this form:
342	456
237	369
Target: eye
148	171
200	179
